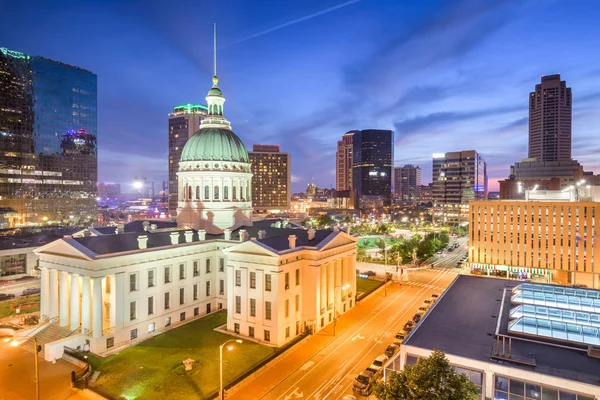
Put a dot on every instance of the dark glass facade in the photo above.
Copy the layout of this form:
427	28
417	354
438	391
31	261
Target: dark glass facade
372	167
48	140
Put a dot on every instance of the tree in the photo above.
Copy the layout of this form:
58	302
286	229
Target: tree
324	221
430	378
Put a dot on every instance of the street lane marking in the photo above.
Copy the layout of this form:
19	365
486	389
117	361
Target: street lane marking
295	394
358	336
307	365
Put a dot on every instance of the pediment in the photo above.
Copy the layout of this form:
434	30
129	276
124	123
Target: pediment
66	248
252	247
336	240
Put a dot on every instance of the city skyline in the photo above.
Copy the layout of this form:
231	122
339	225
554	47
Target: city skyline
460	54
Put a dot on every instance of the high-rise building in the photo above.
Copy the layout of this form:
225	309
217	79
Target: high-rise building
48	129
550	108
311	190
426	195
109	189
372	167
184	121
343	163
458	178
271	178
407	183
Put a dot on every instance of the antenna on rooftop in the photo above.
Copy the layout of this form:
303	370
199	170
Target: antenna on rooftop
215	50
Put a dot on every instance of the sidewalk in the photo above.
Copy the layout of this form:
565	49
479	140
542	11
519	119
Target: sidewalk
299	355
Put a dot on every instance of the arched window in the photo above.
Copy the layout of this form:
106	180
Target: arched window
216	193
248	193
234	193
206	192
226	193
189	193
183	194
197	192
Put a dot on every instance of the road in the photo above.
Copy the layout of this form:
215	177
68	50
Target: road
18	288
324	366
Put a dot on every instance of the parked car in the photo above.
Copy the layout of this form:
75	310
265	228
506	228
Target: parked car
422	310
439	252
363	383
417	317
391	350
371	273
435	295
428	302
31	290
400	336
6	296
409	325
377	366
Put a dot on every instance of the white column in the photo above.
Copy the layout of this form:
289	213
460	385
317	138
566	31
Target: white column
86	304
45	293
119	290
75	295
64	298
53	293
97	307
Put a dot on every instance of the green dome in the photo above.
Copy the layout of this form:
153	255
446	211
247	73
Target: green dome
215	144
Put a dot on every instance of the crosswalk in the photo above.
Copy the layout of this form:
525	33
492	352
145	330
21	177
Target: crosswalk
424	285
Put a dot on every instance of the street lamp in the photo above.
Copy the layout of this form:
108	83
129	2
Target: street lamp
344	287
221	391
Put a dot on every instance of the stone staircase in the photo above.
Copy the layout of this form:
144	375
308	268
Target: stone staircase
49	334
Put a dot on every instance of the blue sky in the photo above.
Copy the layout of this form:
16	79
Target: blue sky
444	75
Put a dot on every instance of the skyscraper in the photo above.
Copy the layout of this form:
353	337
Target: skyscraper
550	108
407	183
271	179
458	178
343	163
48	129
184	121
372	172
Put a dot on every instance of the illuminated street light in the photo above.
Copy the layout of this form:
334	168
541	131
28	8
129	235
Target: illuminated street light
138	184
221	392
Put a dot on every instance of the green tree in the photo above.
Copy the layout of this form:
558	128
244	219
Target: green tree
430	378
361	253
324	221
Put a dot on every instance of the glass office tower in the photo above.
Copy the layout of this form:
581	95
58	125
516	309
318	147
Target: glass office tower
48	147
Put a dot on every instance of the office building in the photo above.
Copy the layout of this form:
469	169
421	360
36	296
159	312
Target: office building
407	183
426	193
311	190
513	340
459	177
372	167
551	237
343	164
48	134
515	189
184	121
107	189
550	107
271	178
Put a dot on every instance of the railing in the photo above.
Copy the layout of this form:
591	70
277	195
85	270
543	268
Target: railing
78	329
38	329
43	317
88	332
108	331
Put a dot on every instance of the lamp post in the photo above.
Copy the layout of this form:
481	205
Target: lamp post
221	391
344	287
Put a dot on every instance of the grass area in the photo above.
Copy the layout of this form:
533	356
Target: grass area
371	242
154	369
366	286
5	310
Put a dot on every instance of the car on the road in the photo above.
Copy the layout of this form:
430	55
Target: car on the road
422	310
31	290
417	317
428	302
377	366
370	273
391	350
363	383
439	252
400	336
435	295
6	296
409	325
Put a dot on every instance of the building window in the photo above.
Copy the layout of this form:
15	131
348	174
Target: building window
151	305
110	342
297	328
235	198
267	336
250	328
167	321
253	307
287	280
206	192
181	296
297	276
167	274
132	310
151	327
181	271
196	311
182	316
196	269
287	332
197	192
208	288
216	193
208	265
221	264
268	310
221	286
220	306
268	282
297	303
195	291
236	328
226	193
167	300
253	280
150	278
238	305
238	278
133	334
132	283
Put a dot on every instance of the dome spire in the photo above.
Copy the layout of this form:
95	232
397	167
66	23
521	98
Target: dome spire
215	98
215	79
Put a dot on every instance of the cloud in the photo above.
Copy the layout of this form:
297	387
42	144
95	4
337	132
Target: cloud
295	179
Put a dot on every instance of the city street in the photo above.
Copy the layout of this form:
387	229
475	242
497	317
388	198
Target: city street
324	366
17	289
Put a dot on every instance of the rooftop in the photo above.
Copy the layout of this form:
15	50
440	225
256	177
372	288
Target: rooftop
464	321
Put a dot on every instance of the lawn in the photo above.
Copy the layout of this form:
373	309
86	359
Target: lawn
5	310
153	369
366	286
371	242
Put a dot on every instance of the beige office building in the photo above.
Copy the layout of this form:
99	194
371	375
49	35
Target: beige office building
552	239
